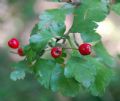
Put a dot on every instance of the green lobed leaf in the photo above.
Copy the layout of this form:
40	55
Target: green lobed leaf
90	73
35	30
67	86
44	69
29	53
20	69
59	60
103	78
51	24
54	20
17	75
48	22
103	55
39	41
51	75
83	70
86	16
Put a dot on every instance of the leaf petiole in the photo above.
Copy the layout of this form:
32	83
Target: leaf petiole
13	52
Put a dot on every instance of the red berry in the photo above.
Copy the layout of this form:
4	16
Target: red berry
13	43
20	52
85	49
56	52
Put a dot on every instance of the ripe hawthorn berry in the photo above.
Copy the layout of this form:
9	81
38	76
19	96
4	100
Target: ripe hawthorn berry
56	52
20	52
13	43
85	49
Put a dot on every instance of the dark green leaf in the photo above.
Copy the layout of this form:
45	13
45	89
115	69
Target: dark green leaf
17	75
31	56
90	73
86	17
64	54
103	78
83	71
53	20
60	60
29	53
103	55
39	41
51	75
20	69
35	30
44	69
26	49
67	86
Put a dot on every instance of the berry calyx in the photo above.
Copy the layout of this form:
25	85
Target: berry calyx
56	52
85	49
13	43
20	52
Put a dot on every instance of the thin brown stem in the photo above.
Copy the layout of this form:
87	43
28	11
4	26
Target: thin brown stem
63	48
70	48
67	34
13	52
75	40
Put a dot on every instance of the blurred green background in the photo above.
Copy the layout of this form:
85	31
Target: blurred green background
17	17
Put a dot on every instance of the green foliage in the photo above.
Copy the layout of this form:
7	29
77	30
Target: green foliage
103	55
51	75
17	75
20	69
87	14
71	72
52	21
67	86
35	30
38	41
44	69
83	71
103	77
91	73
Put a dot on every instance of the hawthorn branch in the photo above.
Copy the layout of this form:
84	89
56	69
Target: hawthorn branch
13	52
75	40
70	48
58	39
67	34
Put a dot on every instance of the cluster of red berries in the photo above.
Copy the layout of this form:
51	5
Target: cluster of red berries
14	44
84	49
